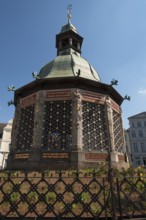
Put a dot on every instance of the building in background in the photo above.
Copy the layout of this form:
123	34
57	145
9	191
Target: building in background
128	145
137	135
5	143
2	125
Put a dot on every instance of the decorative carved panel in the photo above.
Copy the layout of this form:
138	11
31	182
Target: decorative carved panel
93	97
29	100
57	95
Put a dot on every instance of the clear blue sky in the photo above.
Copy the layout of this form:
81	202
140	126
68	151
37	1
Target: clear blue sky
114	34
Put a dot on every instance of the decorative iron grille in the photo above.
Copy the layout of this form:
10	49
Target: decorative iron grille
94	127
57	125
61	195
25	129
118	132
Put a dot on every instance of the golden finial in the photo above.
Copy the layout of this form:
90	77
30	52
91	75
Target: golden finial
69	7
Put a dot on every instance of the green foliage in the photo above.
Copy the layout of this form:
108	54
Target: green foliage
85	197
15	173
74	206
95	208
130	171
32	197
116	172
143	205
15	197
50	197
141	186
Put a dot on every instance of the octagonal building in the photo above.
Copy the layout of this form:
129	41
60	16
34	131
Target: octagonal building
66	117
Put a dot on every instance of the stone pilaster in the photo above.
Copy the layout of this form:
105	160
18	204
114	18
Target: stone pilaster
38	125
113	153
77	120
124	144
38	120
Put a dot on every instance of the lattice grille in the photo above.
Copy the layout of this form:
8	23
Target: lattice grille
25	130
118	134
57	125
94	127
68	195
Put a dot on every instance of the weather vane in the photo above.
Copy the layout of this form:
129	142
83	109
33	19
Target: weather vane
69	7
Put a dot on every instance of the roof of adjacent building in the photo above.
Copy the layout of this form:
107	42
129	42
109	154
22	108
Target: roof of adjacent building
140	115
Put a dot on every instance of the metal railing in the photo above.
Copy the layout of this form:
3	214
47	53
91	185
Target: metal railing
74	194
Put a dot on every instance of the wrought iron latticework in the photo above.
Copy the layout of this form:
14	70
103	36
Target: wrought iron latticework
25	129
118	132
57	134
60	195
94	127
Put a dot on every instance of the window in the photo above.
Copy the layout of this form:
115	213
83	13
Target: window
135	147
144	160
133	133
137	161
132	124
145	123
140	133
138	124
143	147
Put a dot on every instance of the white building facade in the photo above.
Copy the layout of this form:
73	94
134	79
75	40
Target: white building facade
5	144
128	145
137	134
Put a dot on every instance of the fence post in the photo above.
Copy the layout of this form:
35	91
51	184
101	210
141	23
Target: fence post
110	179
119	199
112	194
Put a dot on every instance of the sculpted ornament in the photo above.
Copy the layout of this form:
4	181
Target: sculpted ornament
108	103
78	101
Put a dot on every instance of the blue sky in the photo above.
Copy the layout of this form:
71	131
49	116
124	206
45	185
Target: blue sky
114	34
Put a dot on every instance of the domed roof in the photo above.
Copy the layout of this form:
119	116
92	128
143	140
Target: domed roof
69	65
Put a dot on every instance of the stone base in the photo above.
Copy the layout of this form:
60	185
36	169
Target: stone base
114	157
63	160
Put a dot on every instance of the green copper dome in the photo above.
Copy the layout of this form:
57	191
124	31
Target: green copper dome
70	65
68	62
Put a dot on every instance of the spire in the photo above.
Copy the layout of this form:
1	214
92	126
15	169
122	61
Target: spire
68	40
69	7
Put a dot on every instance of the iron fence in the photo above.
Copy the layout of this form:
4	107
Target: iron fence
67	195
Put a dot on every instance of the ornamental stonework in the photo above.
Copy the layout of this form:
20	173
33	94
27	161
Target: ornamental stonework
29	100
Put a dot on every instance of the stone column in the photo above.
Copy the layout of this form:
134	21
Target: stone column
70	41
38	127
77	121
113	154
60	44
78	46
124	143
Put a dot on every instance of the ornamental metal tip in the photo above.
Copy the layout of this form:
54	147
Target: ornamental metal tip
114	82
69	7
11	88
127	98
